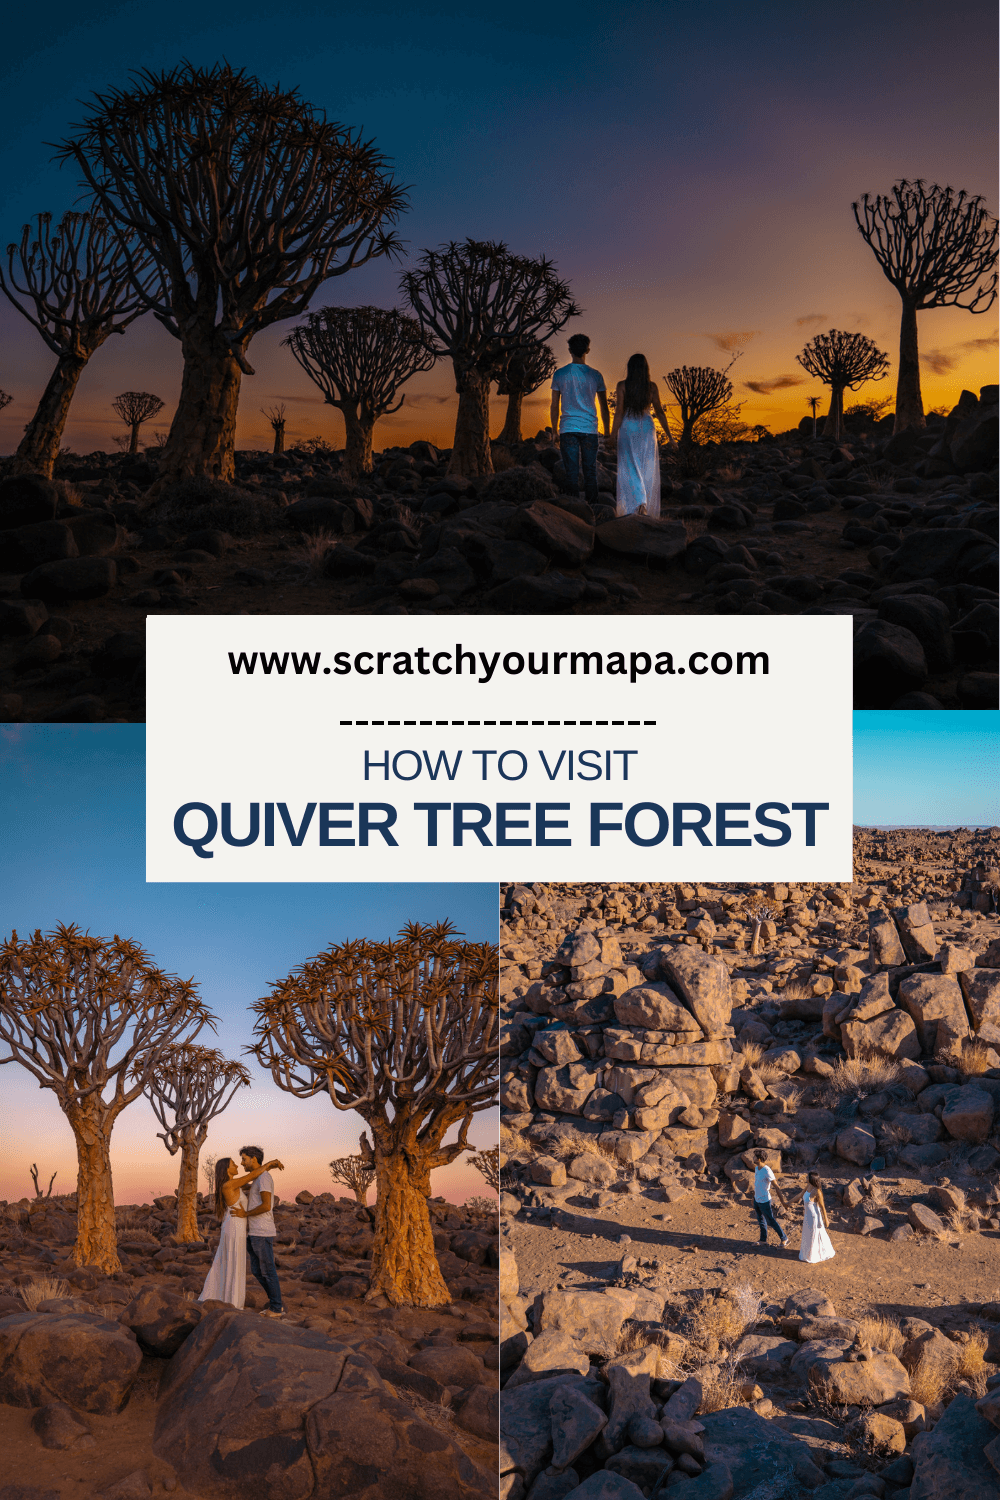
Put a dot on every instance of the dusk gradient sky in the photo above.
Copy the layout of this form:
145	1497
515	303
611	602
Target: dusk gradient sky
72	807
689	168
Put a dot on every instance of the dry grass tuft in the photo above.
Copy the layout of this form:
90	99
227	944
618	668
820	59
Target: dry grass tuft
971	1365
751	1052
881	1332
42	1287
860	1077
314	551
975	1059
724	1387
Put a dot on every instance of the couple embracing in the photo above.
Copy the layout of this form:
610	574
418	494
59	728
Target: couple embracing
577	390
247	1230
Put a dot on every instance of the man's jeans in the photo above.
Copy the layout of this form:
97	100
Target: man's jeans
577	448
260	1249
765	1216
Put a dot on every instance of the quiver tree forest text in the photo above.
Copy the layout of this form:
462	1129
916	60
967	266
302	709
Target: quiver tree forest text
189	1083
938	248
246	199
405	1033
77	286
83	1013
359	357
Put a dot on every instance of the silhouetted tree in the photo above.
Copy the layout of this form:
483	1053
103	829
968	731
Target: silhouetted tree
477	303
357	1174
136	407
406	1033
488	1164
698	390
938	248
247	199
843	361
73	285
5	400
190	1083
524	372
34	1178
67	1002
276	416
359	357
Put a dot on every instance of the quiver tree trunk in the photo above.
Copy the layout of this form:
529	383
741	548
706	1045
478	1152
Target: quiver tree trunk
39	448
96	1236
359	426
202	437
834	425
511	435
909	404
755	940
187	1187
133	446
279	438
404	1265
470	456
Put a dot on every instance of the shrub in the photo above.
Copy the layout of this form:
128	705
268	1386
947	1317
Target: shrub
210	503
519	486
859	1077
314	551
881	1332
40	1288
975	1057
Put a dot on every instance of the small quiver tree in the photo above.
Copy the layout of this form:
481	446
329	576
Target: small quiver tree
189	1083
73	286
843	361
276	416
524	372
488	1164
758	912
697	390
356	1173
134	408
84	1014
477	303
406	1033
938	249
247	199
359	357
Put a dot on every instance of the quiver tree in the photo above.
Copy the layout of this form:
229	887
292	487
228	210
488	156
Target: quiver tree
359	357
84	1015
758	912
698	390
477	303
356	1173
276	416
73	284
938	248
488	1164
406	1033
190	1084
247	199
843	361
134	408
524	372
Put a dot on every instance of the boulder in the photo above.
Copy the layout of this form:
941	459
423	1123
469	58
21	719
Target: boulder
59	1427
888	662
973	443
968	1114
652	1005
565	1090
628	1377
884	948
752	1451
87	1361
74	578
648	538
949	1462
549	1354
869	1382
546	595
576	1422
26	499
479	1413
527	1427
702	982
916	932
925	1220
765	1354
876	1432
455	1366
606	1485
890	1035
161	1319
981	991
564	538
856	1144
592	1319
930	998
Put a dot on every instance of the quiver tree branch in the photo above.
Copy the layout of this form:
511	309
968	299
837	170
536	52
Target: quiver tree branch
276	416
190	1083
477	303
73	285
357	1174
698	390
134	408
524	372
247	199
5	400
843	361
359	357
488	1164
938	249
86	1015
34	1178
406	1033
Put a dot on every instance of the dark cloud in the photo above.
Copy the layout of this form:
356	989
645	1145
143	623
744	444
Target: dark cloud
777	383
810	318
730	341
938	361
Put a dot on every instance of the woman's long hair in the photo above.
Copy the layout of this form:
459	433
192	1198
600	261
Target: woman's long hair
221	1176
635	397
816	1184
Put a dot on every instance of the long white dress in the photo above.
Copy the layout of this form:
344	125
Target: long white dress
227	1278
638	467
815	1240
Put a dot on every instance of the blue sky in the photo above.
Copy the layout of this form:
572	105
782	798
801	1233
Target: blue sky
926	767
71	827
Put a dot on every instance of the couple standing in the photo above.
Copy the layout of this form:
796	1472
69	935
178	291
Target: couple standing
816	1244
575	390
247	1230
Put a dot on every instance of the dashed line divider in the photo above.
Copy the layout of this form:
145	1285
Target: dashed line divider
497	723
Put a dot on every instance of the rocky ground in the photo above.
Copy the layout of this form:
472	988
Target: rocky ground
898	532
646	1337
127	1386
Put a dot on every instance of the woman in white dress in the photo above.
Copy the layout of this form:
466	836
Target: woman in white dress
816	1243
633	431
227	1277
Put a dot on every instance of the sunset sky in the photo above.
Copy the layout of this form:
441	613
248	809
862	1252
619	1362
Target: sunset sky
71	826
689	168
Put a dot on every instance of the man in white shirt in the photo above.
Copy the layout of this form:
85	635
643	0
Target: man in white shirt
576	392
261	1231
763	1181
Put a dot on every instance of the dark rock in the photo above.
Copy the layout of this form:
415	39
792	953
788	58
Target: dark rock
346	562
888	660
161	1319
95	532
703	553
58	1425
544	595
563	537
27	498
949	1460
215	543
21	616
928	620
30	546
973	444
320	514
979	690
88	1362
647	538
945	554
75	578
87	708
